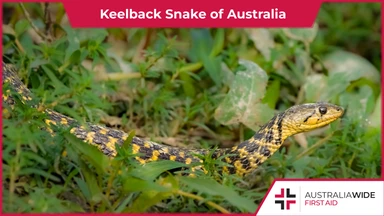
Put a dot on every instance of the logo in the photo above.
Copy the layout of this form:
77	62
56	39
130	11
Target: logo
286	199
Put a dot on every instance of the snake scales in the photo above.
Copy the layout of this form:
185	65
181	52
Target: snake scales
242	158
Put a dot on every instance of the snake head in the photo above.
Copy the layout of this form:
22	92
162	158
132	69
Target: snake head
306	117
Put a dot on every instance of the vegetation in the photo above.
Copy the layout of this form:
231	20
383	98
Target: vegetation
179	87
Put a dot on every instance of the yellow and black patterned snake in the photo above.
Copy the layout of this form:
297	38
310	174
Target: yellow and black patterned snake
242	158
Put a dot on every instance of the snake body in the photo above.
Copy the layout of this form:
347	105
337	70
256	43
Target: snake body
241	159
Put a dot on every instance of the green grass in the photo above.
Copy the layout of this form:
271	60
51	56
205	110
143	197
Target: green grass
175	86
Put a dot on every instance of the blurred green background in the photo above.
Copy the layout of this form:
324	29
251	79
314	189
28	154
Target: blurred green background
198	88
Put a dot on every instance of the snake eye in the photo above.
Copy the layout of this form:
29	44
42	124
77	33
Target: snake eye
323	110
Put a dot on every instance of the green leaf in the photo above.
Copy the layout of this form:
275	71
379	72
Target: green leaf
90	153
354	66
302	34
302	64
128	142
188	84
218	42
95	191
213	67
375	118
359	105
272	95
201	44
132	184
30	171
263	40
28	44
21	26
75	57
243	101
83	187
38	62
146	200
71	176
33	156
213	188
227	74
204	50
97	35
153	169
73	40
150	198
124	203
343	68
314	87
56	82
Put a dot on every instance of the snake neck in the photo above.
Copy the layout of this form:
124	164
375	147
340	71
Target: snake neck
248	155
